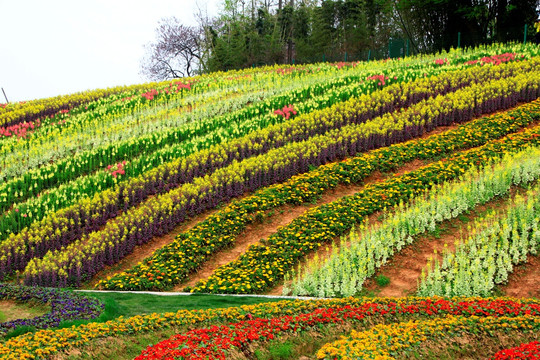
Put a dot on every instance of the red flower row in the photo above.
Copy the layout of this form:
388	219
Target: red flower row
441	61
380	78
524	351
213	342
20	130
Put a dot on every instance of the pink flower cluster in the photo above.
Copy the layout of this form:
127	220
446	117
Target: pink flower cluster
380	78
174	87
19	130
119	169
494	59
23	129
149	95
286	111
285	71
441	61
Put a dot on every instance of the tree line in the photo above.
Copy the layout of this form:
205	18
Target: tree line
256	32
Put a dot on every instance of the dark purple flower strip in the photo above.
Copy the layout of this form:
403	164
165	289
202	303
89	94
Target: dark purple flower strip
65	305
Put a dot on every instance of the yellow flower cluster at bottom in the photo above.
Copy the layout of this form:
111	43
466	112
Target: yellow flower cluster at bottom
385	341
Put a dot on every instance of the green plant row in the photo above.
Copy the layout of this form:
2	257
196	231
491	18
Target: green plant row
32	110
172	263
362	251
211	124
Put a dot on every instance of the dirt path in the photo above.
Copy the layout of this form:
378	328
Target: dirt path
143	251
12	310
325	251
524	281
405	267
257	231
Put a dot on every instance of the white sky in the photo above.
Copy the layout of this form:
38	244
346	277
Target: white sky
56	47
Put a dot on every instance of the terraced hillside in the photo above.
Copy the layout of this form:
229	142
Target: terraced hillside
397	179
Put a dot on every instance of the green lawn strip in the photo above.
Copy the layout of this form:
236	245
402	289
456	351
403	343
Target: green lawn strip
119	304
131	304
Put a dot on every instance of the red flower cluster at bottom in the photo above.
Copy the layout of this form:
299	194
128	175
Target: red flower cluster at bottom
524	351
213	342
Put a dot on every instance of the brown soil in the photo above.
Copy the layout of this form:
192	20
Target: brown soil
524	281
13	310
340	191
255	232
405	268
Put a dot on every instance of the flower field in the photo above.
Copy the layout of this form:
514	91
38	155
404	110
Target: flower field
89	179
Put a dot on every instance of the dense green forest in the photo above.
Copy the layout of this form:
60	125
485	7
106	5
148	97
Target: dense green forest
257	32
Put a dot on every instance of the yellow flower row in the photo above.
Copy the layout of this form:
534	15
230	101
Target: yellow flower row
388	341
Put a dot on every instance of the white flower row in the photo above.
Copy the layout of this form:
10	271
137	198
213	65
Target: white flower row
368	248
486	257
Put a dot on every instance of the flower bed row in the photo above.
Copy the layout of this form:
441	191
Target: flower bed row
29	111
362	251
162	213
488	255
175	261
128	136
111	128
215	342
48	342
529	351
82	258
242	121
65	305
196	164
389	341
186	166
262	266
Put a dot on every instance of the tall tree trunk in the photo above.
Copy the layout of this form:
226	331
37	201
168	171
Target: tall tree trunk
501	20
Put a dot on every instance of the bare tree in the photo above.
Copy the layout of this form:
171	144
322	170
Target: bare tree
175	53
